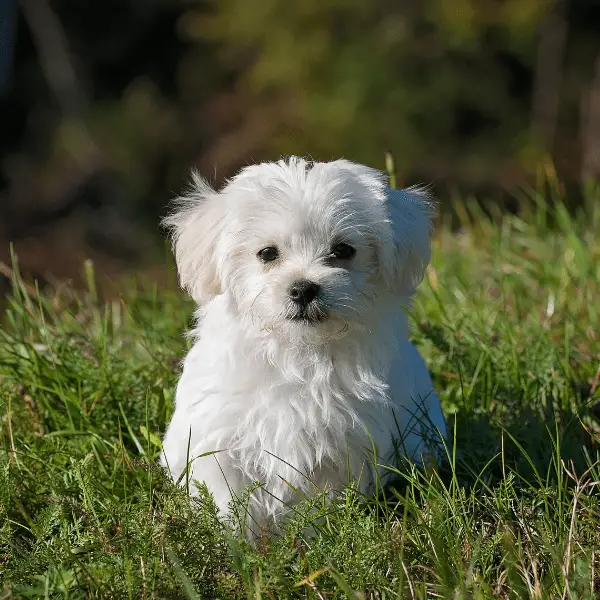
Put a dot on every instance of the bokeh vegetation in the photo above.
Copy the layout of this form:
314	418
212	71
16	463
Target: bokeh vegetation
104	106
109	104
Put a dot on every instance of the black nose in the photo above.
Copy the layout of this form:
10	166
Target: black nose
303	292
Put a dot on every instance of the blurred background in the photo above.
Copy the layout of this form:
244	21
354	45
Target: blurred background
105	106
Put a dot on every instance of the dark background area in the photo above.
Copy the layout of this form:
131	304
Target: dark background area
105	106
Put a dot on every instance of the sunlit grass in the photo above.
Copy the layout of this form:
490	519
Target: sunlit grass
507	319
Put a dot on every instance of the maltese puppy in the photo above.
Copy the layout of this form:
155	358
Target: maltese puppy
301	376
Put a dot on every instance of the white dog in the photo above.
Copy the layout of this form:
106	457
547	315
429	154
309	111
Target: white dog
301	365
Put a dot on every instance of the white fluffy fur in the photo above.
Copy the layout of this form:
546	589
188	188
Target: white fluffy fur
287	403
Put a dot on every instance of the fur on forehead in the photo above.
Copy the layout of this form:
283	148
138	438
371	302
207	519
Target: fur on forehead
340	195
300	179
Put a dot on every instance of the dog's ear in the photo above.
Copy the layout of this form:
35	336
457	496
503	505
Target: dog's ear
196	225
409	214
403	262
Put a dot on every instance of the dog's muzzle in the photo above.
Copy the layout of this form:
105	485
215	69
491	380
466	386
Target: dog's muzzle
304	302
303	292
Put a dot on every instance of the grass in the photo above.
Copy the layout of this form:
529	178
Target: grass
508	322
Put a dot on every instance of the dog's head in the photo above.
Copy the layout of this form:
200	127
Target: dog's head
303	249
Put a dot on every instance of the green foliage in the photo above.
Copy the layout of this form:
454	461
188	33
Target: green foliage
507	321
349	78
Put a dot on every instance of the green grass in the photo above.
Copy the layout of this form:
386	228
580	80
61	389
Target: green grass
508	322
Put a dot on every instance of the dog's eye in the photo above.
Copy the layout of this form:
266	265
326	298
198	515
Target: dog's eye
268	254
342	252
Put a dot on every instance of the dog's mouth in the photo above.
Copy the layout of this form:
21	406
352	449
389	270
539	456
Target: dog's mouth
307	315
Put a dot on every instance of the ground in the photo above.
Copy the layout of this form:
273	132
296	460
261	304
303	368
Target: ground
507	320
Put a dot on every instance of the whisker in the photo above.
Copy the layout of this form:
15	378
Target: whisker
349	307
257	295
